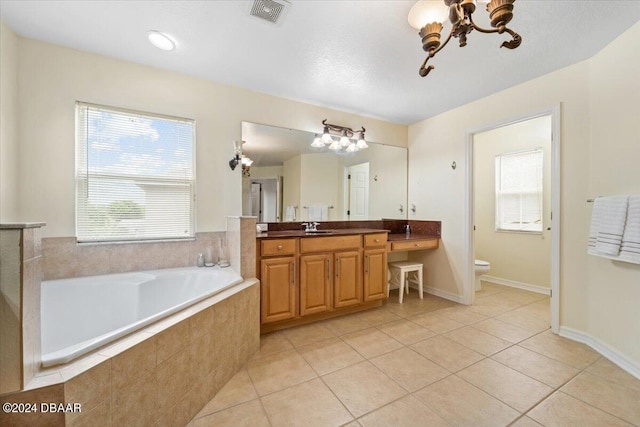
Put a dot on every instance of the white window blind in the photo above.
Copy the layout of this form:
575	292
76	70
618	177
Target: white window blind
135	177
519	191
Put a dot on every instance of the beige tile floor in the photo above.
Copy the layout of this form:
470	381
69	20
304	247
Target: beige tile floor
428	362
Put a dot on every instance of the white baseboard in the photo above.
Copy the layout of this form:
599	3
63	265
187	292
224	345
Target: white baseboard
444	294
630	366
514	284
438	292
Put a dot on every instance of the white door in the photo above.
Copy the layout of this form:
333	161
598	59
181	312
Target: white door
256	199
358	176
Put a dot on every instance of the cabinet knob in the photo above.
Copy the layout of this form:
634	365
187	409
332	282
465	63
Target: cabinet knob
417	245
279	247
376	240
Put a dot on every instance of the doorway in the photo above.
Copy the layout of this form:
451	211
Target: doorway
551	218
357	192
266	199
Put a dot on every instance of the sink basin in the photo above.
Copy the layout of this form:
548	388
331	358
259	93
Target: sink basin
319	232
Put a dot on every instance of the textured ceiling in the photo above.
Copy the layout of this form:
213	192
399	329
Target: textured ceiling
356	56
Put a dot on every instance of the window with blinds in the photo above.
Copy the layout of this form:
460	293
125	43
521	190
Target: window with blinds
135	175
519	190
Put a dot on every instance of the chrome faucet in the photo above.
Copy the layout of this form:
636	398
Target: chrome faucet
310	226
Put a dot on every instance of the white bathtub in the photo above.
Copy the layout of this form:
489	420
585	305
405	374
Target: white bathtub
81	314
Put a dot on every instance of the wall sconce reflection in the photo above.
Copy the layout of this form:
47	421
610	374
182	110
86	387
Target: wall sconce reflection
237	154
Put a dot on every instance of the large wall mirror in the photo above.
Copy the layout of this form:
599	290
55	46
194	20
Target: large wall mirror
288	180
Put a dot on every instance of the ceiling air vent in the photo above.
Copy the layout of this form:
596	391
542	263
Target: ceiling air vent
269	10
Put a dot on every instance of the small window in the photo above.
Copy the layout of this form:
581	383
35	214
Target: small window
519	191
135	175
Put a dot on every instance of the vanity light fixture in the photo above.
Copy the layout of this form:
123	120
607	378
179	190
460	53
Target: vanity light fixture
345	138
237	154
317	142
427	16
246	165
161	40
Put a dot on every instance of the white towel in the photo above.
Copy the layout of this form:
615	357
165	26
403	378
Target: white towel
290	213
630	246
318	213
607	225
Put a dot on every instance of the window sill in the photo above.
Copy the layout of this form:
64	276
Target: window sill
129	242
535	233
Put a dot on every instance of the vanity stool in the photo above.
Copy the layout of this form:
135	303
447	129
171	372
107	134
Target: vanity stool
402	273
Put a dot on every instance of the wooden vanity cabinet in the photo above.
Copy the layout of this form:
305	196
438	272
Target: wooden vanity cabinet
278	280
347	285
344	261
315	283
375	267
320	277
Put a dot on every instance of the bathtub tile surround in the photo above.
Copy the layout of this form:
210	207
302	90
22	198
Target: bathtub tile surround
64	257
49	394
241	244
20	277
161	375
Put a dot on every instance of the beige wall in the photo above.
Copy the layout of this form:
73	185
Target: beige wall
319	183
516	257
291	187
52	78
387	179
8	124
599	101
613	288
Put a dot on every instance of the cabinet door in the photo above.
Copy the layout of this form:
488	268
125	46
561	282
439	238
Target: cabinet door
315	283
375	274
347	279
278	289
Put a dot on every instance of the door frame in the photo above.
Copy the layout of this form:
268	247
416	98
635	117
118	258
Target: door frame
469	240
346	184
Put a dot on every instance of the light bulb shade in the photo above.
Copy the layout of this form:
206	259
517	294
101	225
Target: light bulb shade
317	143
362	144
335	145
237	148
326	138
352	148
344	141
246	161
426	12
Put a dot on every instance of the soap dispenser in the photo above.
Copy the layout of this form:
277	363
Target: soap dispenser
200	262
407	230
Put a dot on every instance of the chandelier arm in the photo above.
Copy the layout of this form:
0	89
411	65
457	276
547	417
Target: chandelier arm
426	70
480	29
512	44
443	44
515	42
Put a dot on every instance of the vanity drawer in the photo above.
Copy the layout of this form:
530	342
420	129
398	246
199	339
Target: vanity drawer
375	240
414	245
278	247
330	244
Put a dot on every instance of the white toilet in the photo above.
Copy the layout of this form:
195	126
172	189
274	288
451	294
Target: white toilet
481	267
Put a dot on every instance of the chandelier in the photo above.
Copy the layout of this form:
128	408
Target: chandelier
427	16
344	138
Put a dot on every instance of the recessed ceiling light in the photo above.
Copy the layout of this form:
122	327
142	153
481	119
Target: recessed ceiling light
161	40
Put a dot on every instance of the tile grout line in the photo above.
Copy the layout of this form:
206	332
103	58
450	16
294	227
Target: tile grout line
411	307
584	370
